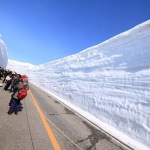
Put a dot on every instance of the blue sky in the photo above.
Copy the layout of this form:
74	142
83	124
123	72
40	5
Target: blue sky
39	31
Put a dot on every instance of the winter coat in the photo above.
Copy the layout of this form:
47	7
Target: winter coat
18	87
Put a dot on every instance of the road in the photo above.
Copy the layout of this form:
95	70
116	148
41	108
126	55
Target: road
46	124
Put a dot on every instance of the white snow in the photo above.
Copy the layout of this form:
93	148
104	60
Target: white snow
3	54
108	83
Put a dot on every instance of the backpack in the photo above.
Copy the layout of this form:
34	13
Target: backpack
22	93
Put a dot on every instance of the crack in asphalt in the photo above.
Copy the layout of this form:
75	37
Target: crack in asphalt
95	136
57	102
69	111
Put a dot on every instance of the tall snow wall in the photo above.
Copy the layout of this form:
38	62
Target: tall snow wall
110	81
3	54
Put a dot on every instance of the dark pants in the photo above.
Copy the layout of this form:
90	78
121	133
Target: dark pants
14	107
18	101
7	85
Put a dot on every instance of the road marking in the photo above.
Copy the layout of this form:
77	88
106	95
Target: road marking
63	133
51	135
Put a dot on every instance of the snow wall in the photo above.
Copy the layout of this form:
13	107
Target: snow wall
110	81
3	54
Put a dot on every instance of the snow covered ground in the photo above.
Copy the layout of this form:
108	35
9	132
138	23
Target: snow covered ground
108	83
3	54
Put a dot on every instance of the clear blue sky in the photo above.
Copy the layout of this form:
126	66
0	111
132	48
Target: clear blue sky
39	31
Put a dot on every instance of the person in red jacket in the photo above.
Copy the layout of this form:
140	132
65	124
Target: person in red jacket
14	104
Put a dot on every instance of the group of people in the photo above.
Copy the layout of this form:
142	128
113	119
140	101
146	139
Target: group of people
17	84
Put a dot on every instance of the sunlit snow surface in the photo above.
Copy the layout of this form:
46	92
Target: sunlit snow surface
108	83
3	54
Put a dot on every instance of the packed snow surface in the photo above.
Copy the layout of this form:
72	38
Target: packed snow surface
108	83
3	54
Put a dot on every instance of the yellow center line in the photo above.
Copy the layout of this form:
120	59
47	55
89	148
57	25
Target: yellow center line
51	135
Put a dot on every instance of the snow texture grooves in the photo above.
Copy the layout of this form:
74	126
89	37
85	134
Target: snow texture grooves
110	81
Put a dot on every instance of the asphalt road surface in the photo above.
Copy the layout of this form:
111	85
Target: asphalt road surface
46	124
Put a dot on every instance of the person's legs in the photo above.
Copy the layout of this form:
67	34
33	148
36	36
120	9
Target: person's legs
19	105
7	85
13	106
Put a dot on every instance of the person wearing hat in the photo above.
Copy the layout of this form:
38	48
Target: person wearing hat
14	103
25	81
